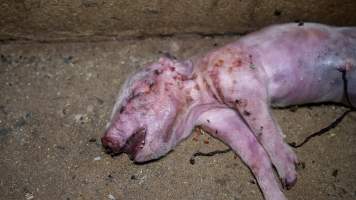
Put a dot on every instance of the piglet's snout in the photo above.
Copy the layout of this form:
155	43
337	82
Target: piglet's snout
111	144
120	129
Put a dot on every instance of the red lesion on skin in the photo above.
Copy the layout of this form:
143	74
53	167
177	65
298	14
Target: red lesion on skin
237	63
219	63
186	78
214	63
237	59
181	77
177	78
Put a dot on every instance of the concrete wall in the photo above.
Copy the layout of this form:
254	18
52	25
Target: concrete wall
50	20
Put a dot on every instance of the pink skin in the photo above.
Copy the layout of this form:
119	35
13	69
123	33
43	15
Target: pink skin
229	92
226	125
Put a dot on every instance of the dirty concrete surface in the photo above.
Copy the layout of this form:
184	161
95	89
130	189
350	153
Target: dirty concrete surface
43	20
56	98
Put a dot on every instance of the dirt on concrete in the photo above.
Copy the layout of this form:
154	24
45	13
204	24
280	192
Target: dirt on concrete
55	100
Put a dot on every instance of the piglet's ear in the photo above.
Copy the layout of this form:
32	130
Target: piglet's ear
165	61
185	67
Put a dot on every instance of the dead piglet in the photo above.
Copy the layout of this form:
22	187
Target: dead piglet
229	92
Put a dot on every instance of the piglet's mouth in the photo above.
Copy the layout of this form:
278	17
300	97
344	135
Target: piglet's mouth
135	143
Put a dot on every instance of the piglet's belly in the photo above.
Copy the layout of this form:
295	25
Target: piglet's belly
306	84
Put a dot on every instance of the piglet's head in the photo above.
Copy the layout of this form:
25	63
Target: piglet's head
151	104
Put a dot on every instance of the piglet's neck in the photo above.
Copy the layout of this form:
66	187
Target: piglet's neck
182	75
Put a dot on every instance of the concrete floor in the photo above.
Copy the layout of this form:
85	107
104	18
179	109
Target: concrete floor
55	100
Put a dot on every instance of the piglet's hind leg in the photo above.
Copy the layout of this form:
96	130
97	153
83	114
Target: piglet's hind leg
226	125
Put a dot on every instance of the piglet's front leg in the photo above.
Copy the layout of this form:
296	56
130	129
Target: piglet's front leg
226	125
258	116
